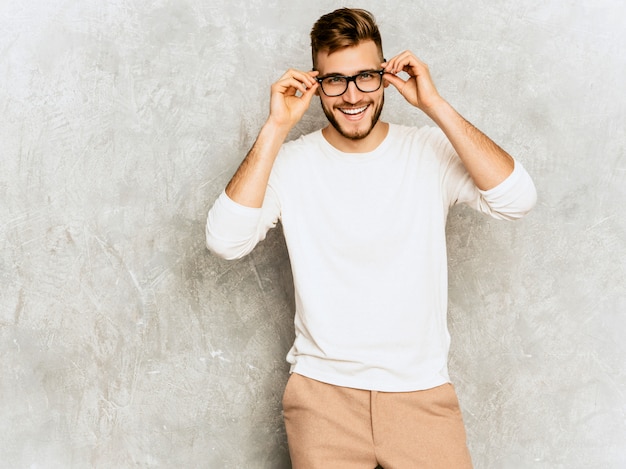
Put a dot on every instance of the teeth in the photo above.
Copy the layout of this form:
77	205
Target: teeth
354	110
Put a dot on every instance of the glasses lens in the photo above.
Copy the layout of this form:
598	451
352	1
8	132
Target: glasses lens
368	81
334	86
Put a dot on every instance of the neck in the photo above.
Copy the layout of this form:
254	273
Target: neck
361	145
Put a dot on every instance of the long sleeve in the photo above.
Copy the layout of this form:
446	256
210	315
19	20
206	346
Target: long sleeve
366	239
233	230
512	198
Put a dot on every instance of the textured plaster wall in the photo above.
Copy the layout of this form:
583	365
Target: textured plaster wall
124	343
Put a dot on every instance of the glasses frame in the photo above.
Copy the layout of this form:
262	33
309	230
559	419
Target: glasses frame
352	78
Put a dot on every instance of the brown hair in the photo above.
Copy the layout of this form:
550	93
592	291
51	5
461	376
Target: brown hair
345	27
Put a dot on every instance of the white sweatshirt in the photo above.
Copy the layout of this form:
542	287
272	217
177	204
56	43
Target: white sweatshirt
366	240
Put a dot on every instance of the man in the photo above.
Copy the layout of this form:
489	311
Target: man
363	205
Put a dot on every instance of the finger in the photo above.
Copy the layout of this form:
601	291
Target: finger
403	62
307	78
307	96
289	86
391	66
395	80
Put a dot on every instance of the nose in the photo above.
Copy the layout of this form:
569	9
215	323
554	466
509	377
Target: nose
352	94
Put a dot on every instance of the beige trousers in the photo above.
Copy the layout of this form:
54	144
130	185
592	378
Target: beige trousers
332	427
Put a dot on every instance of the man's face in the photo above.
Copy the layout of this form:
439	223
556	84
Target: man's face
353	114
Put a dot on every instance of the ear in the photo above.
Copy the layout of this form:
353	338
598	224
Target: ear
317	91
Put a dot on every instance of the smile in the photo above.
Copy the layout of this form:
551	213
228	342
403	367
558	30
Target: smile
354	111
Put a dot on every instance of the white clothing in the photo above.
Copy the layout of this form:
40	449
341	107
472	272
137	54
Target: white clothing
366	240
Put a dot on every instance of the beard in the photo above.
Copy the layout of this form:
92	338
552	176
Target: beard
358	134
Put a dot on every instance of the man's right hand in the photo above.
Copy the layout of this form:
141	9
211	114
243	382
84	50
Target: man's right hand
291	97
287	106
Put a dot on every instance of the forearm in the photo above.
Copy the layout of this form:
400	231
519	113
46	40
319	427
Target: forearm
484	160
249	183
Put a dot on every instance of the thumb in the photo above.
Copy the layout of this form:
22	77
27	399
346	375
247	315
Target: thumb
395	80
308	95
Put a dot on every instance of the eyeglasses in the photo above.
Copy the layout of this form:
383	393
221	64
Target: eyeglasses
336	85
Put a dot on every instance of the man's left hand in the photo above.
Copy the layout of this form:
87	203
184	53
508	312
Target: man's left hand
418	89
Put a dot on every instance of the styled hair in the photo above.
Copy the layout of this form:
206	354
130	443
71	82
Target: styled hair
345	27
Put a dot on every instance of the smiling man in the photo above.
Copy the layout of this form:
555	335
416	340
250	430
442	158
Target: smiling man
363	205
353	111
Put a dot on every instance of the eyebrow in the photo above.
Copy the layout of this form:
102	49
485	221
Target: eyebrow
357	73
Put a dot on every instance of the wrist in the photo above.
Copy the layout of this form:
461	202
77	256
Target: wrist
436	108
276	129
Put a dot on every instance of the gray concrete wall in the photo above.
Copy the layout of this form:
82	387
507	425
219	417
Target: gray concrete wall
124	343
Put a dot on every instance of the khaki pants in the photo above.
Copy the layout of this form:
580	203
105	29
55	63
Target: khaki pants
332	427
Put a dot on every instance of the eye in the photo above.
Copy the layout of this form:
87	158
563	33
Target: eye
365	76
334	80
